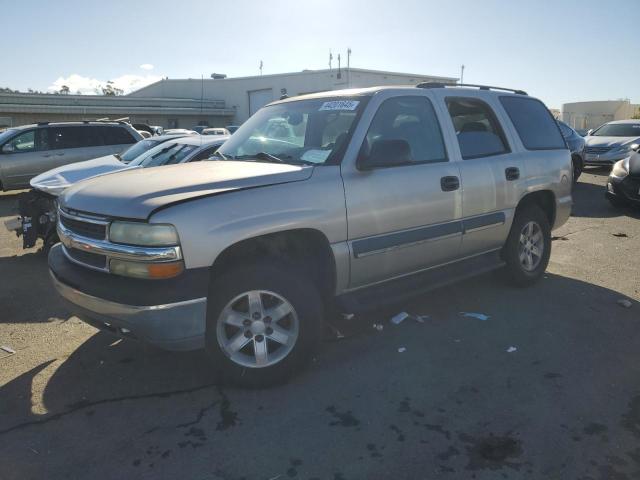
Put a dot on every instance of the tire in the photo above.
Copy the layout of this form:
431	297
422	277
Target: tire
577	165
230	323
524	269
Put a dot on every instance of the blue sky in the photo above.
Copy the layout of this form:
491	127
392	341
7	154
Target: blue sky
560	51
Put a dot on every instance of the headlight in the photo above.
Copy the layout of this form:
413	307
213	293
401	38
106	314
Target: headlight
621	168
144	234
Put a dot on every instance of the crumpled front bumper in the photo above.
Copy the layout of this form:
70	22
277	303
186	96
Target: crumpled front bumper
156	312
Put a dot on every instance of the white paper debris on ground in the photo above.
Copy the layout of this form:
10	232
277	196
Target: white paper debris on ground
511	349
402	350
623	302
400	317
457	340
378	326
9	350
348	316
478	316
421	318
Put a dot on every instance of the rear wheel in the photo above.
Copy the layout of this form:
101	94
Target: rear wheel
528	246
263	324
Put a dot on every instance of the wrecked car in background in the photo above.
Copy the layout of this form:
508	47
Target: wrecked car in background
38	207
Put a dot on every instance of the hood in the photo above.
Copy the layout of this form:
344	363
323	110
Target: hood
610	141
55	181
137	193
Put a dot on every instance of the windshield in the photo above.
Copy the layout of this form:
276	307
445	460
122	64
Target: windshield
137	149
618	130
305	131
164	154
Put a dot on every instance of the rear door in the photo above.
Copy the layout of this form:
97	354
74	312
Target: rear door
405	217
491	172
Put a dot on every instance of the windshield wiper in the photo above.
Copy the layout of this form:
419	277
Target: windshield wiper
222	155
268	157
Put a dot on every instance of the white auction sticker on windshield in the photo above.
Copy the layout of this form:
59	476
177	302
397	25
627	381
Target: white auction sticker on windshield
315	156
348	105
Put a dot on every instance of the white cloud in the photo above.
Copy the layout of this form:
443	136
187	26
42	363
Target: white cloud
88	86
146	66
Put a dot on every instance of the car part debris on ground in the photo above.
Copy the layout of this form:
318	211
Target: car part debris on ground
10	351
478	316
400	317
623	302
511	349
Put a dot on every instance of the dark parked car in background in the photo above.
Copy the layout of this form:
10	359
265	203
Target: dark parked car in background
576	144
623	186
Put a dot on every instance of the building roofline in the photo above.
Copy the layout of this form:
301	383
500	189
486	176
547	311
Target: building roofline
303	72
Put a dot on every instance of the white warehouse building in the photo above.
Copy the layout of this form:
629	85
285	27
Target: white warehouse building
245	95
185	103
584	115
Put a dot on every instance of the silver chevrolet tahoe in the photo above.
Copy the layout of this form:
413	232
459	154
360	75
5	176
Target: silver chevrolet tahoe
343	199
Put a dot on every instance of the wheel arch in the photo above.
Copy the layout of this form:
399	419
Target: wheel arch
545	199
305	249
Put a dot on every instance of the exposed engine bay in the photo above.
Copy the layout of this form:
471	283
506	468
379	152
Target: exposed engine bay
38	215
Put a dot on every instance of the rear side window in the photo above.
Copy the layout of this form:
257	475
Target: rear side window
116	136
478	131
534	123
66	137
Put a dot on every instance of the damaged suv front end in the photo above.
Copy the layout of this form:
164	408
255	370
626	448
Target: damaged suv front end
167	311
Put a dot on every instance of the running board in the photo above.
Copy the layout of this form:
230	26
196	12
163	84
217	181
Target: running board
397	290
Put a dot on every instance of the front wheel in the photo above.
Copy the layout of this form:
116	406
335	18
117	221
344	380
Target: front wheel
264	321
528	246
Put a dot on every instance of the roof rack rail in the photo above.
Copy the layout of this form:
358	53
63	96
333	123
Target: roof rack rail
480	87
42	123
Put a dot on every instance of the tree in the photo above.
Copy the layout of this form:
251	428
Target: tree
64	90
110	90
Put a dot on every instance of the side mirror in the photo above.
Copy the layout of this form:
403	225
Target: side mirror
590	131
8	148
635	147
386	153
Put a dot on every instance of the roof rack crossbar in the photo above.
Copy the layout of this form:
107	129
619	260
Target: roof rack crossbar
480	87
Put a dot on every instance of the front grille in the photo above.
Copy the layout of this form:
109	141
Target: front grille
91	259
597	150
86	229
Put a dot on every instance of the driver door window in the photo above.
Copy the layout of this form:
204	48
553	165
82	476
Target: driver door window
25	142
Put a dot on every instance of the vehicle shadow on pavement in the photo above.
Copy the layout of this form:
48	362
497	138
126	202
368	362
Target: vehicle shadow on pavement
514	393
589	201
26	293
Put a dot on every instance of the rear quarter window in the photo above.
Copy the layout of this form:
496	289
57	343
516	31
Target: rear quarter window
116	136
534	123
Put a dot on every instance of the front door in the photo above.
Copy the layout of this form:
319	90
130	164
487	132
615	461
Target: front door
403	196
25	156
